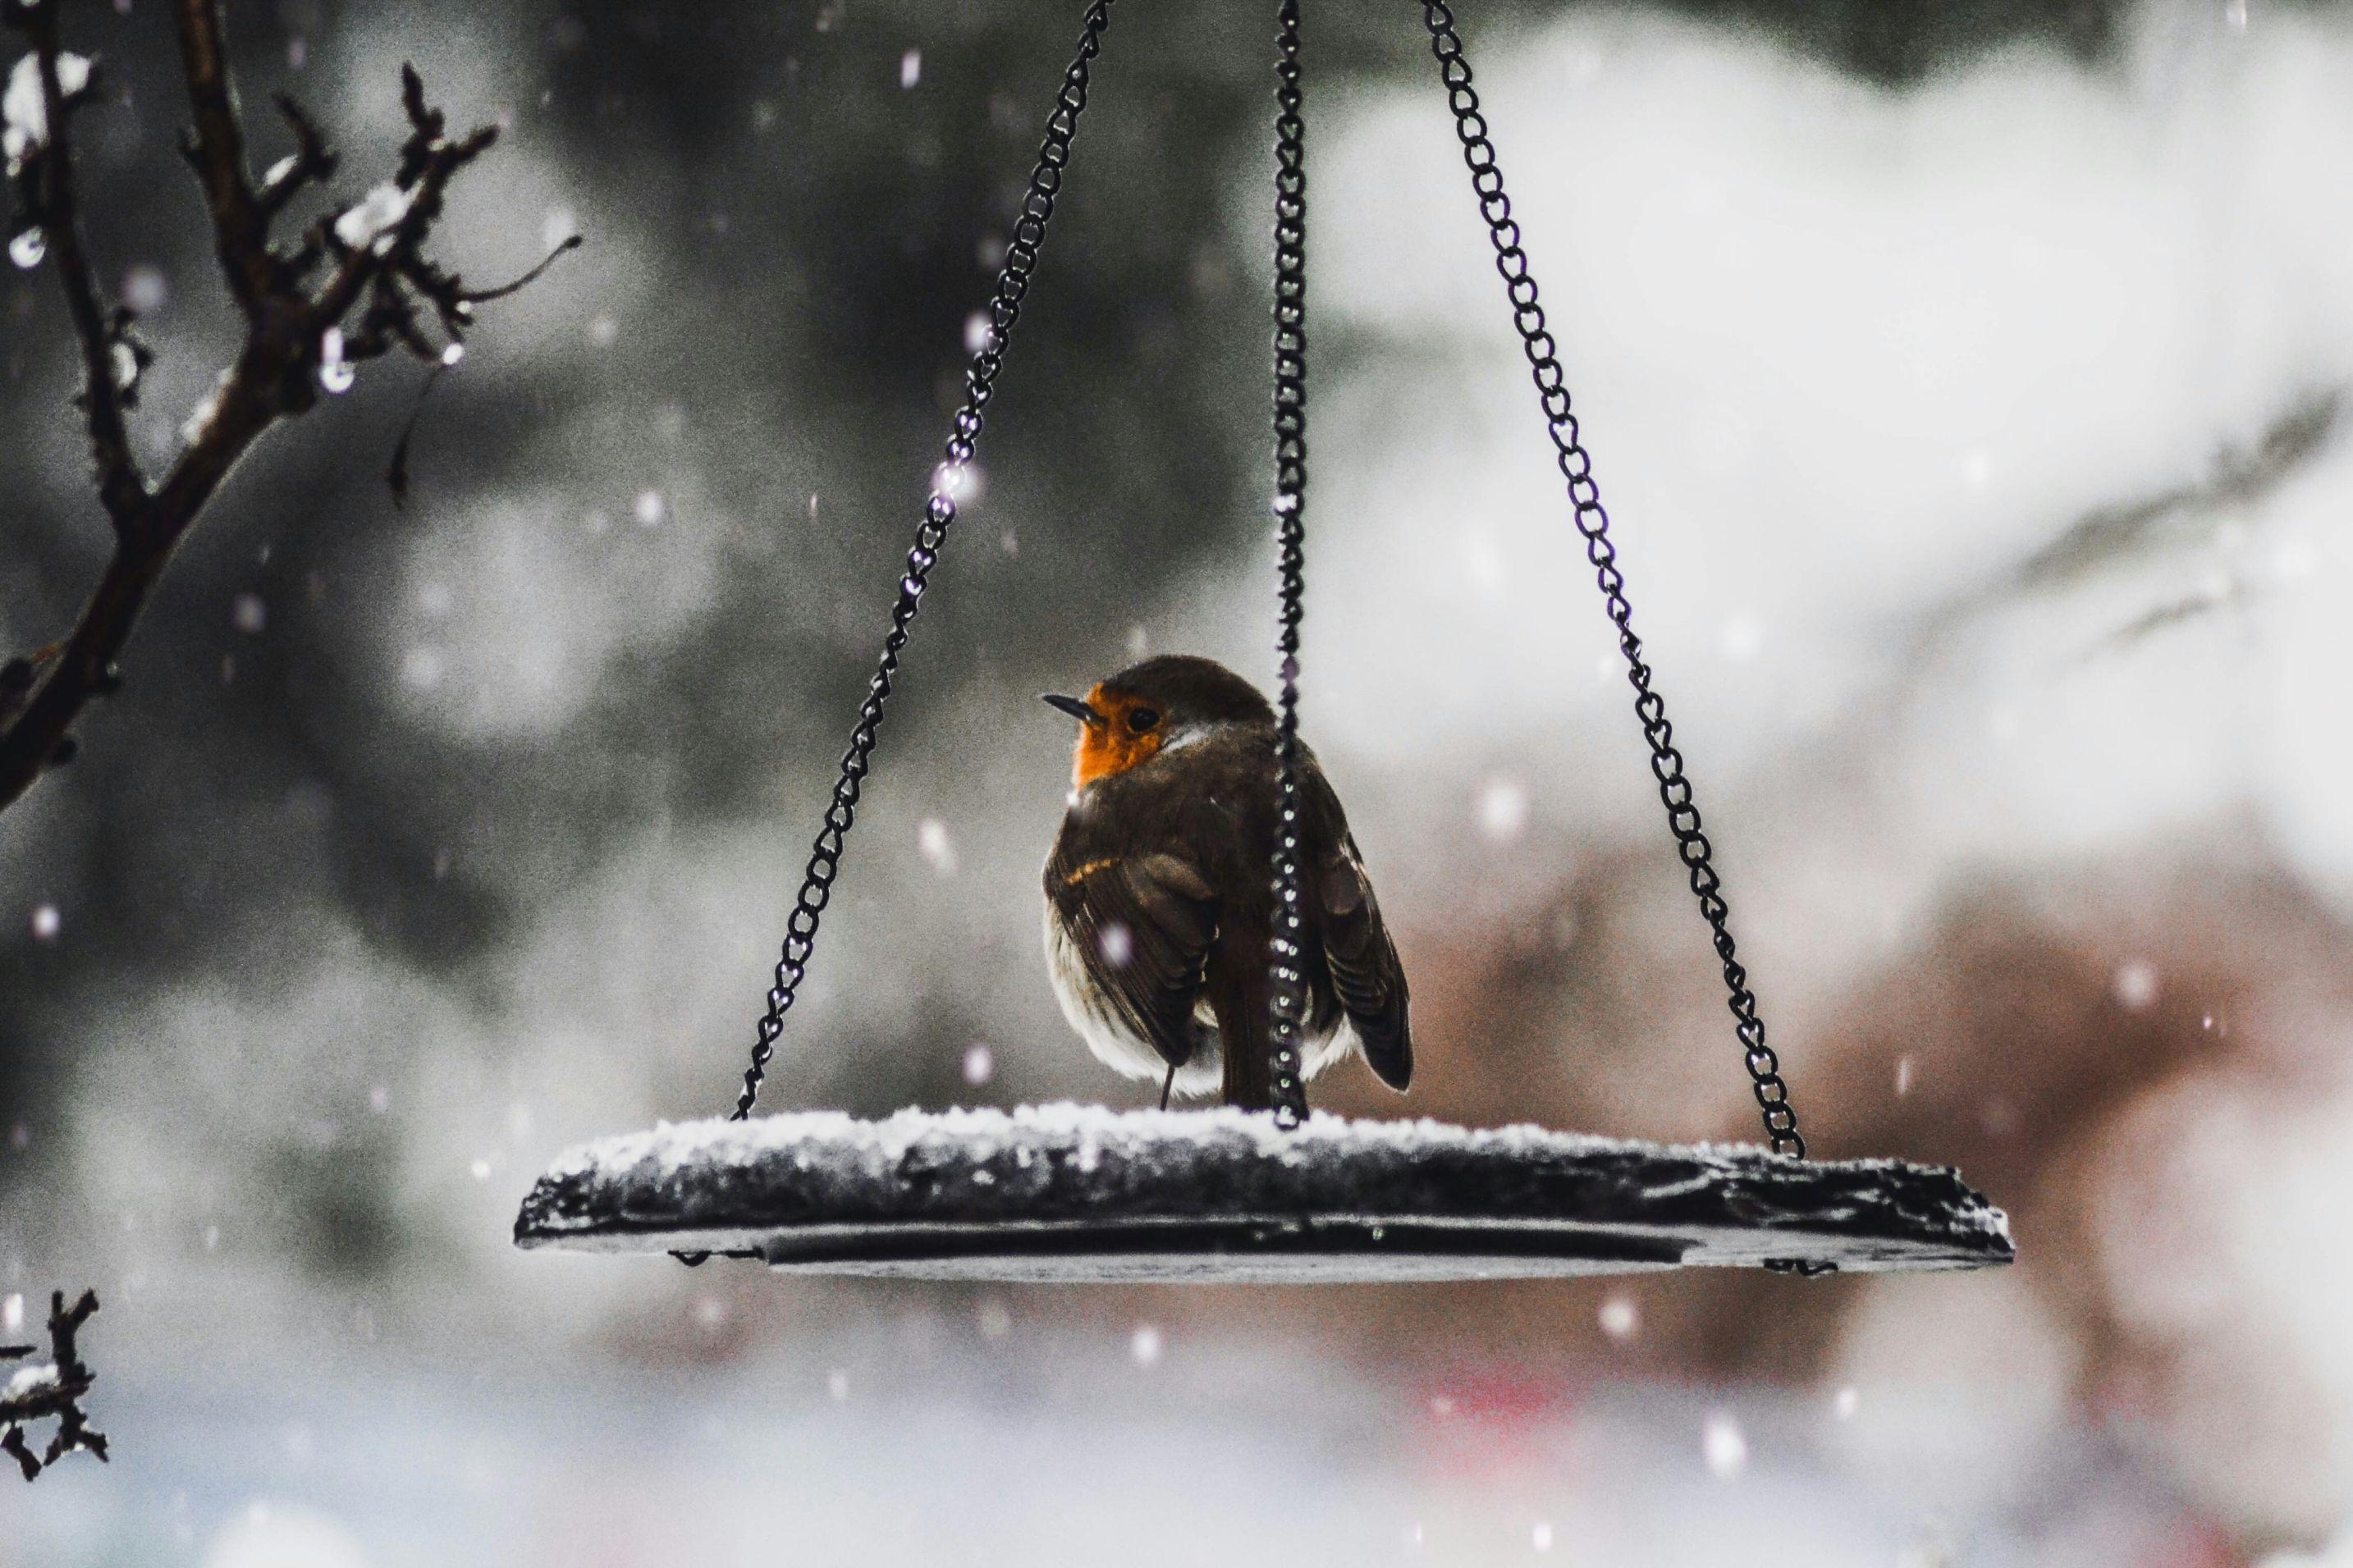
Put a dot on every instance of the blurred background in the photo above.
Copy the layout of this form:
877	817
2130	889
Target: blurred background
1967	382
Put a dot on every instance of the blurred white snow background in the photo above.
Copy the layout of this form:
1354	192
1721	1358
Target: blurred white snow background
1978	450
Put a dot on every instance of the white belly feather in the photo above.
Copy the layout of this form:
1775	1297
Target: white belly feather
1124	1051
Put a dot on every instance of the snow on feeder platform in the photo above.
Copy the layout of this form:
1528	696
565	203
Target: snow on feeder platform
1083	1194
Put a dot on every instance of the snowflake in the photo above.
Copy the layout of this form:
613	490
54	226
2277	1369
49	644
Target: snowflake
1726	1448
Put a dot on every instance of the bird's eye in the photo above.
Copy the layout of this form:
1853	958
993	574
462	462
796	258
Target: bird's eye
1142	718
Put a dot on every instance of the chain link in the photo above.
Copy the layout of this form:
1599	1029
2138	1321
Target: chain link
939	514
1287	994
1593	522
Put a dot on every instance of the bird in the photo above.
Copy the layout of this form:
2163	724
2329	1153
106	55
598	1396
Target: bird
1160	895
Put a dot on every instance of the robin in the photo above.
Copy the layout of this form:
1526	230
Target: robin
1160	897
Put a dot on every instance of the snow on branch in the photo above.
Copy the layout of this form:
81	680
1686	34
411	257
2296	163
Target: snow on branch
52	1390
356	285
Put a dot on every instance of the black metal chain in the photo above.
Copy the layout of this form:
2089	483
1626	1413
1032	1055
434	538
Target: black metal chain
1593	522
939	513
1288	995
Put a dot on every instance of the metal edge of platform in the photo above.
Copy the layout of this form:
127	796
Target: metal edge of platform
1889	1214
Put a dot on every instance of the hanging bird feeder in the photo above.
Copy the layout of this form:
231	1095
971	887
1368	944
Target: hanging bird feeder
1066	1193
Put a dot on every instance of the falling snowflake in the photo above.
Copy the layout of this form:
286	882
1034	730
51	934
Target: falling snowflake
46	923
1541	1536
837	1386
1619	1318
910	68
932	838
2136	983
1144	1346
1846	1402
1741	638
144	289
980	1065
1504	809
1117	944
1726	1448
651	509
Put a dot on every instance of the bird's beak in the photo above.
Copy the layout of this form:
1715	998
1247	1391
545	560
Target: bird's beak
1076	707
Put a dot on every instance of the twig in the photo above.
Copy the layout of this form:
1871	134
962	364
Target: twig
46	189
484	296
51	1392
215	146
312	161
376	267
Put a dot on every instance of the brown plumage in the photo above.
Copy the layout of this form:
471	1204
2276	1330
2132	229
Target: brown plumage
1159	892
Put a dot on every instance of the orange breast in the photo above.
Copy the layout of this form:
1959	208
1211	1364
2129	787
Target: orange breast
1110	747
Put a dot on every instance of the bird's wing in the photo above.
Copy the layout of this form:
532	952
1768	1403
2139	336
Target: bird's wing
1366	977
1143	924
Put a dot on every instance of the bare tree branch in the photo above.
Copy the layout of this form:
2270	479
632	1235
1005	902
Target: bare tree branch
52	1391
216	148
2141	529
312	161
46	188
377	278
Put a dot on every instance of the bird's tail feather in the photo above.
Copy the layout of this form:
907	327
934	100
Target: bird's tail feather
1240	996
